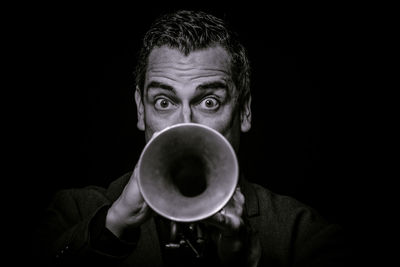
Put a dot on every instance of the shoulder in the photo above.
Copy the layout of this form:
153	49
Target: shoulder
283	212
79	200
287	214
273	203
292	227
93	193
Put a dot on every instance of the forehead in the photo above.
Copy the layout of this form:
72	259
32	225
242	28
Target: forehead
210	59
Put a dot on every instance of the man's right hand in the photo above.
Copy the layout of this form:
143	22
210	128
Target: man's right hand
129	210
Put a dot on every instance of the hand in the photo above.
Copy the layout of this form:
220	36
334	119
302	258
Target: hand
129	210
231	232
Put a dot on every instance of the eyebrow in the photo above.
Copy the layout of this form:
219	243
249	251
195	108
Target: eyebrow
155	84
212	85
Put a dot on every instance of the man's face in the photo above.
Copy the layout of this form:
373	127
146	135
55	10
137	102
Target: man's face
197	88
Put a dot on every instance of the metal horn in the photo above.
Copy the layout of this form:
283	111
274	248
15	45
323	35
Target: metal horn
188	172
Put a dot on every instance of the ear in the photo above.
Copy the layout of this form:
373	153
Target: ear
140	109
245	115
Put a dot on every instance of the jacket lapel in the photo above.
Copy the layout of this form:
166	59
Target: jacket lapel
251	199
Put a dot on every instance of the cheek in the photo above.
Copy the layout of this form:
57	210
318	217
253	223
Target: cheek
230	128
156	122
152	126
227	124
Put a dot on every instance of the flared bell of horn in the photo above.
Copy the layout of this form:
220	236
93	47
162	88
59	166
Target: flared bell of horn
188	172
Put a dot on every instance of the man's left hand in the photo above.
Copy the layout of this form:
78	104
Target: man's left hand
231	234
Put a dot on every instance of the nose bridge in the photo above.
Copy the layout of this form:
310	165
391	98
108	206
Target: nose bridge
186	113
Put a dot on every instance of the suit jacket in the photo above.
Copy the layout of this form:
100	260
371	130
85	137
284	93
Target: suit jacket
288	232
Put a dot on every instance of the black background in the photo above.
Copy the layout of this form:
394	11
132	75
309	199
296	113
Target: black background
78	116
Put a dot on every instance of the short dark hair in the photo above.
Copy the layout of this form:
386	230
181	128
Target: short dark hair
188	31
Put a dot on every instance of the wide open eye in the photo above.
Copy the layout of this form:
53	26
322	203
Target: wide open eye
163	104
209	103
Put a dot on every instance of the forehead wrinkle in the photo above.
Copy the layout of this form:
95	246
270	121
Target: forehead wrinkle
163	67
170	64
175	76
173	59
162	76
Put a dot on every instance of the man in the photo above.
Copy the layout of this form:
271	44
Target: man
191	69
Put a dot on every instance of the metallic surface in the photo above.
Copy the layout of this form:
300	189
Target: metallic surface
188	172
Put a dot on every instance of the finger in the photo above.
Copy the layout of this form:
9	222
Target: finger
238	197
226	222
236	204
234	210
